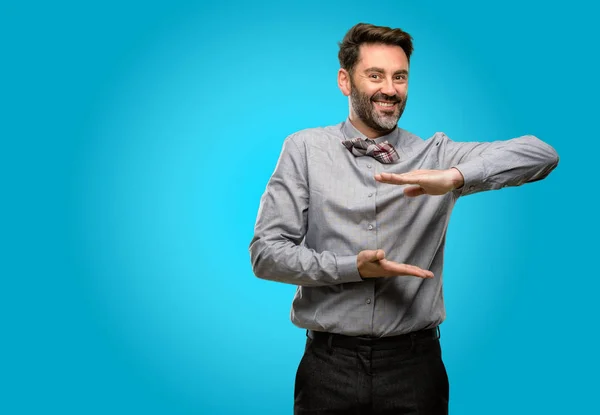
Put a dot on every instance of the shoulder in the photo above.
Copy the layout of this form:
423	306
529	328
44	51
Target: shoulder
408	138
319	138
411	140
316	135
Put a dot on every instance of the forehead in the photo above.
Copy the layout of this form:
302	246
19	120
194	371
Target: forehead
389	57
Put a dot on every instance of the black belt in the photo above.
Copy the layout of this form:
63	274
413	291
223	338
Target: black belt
391	342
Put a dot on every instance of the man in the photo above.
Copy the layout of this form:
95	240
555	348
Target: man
367	256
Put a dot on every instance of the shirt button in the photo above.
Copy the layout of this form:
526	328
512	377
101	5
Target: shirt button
368	166
370	227
368	301
370	194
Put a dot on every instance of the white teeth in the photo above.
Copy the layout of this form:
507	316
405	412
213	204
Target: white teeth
385	104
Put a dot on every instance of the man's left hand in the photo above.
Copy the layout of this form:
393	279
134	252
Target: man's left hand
425	182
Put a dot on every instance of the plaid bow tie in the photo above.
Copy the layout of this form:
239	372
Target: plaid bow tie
384	152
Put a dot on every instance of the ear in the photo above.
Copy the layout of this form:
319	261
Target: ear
344	82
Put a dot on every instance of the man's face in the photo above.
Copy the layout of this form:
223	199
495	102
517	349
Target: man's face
379	86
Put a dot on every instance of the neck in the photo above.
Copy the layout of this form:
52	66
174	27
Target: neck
365	129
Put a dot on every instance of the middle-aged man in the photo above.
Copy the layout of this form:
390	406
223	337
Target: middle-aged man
367	255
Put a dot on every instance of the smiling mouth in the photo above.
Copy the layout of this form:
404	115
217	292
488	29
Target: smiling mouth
385	105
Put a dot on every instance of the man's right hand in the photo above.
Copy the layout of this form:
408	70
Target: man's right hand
372	264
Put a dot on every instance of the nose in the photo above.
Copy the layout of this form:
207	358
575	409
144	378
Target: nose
388	88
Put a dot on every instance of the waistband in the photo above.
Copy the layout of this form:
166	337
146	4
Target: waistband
381	343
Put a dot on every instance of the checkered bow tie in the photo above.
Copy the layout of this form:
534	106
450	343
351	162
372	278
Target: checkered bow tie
383	152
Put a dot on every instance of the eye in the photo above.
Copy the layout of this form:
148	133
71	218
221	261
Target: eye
374	76
401	77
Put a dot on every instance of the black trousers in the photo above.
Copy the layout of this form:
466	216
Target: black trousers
354	375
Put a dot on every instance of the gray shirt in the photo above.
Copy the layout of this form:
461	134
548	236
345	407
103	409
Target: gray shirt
322	206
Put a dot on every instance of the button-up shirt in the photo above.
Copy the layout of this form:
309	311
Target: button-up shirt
322	206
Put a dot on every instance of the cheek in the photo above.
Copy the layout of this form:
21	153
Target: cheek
368	90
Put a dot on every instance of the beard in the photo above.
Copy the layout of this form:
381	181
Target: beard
365	109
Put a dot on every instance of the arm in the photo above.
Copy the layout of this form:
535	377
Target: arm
490	166
276	251
469	168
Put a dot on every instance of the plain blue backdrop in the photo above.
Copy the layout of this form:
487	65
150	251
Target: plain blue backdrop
138	137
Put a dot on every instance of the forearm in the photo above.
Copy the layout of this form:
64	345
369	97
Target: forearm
278	259
276	250
506	163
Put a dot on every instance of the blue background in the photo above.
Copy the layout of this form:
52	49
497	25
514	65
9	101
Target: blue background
138	137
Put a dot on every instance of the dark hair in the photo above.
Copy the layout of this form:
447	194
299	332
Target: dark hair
364	33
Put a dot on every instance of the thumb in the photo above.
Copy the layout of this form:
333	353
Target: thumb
378	255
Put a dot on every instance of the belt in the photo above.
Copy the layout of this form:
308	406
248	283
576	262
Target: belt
391	342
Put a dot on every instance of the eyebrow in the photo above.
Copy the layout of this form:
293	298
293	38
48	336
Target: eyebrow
381	70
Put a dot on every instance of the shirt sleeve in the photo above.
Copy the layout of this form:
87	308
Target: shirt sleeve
276	250
498	164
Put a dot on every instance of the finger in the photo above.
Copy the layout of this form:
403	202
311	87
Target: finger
414	191
391	178
418	272
378	255
408	173
415	177
415	271
395	268
371	255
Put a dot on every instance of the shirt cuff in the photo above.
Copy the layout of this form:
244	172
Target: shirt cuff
473	174
347	269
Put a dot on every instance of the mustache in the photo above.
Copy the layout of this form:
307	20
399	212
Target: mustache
387	98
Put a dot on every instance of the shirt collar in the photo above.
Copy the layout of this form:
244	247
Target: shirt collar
349	132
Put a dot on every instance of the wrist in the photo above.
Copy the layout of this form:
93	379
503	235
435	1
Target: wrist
457	178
